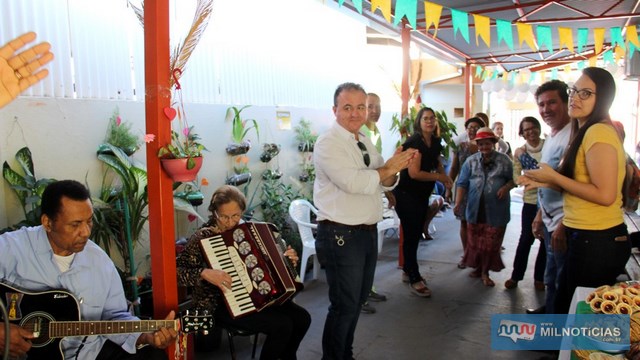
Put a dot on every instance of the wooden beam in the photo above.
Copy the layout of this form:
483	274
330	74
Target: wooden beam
158	97
406	67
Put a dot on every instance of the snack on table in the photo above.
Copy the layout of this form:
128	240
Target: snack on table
610	295
595	305
608	307
623	309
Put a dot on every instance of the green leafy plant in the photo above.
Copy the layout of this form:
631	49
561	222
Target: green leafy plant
119	134
240	128
185	145
27	188
305	137
405	128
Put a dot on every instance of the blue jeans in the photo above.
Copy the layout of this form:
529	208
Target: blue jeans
349	257
524	247
594	258
555	263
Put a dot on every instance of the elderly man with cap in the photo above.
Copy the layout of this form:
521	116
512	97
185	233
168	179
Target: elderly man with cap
486	179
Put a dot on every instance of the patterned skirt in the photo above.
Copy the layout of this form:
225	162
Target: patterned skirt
483	247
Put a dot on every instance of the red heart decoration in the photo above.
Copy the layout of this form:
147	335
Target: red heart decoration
170	113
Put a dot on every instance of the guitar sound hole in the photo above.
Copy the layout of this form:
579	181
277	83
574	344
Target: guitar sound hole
38	322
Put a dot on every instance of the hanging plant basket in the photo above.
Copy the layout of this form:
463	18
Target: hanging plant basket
305	147
303	177
238	149
271	174
238	179
269	151
104	149
178	169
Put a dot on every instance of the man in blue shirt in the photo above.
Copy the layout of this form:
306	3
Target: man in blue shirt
59	255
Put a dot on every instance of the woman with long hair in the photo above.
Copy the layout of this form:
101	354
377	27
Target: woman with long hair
526	157
465	149
285	325
413	191
590	176
485	181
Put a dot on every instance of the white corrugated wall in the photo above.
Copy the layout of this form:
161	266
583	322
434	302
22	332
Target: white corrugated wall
275	52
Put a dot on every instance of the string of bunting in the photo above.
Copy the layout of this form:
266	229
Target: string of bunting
504	30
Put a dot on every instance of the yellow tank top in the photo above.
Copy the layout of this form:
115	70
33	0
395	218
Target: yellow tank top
585	215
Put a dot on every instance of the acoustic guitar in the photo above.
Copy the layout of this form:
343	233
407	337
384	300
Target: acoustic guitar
54	314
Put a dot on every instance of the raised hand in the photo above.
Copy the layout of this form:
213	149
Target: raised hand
20	71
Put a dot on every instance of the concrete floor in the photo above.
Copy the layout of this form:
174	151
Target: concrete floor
453	324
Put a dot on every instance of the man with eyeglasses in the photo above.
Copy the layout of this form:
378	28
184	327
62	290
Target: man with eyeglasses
553	106
350	175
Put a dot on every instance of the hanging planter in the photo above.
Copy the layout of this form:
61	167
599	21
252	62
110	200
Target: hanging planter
269	151
305	147
238	179
238	149
271	174
183	169
104	149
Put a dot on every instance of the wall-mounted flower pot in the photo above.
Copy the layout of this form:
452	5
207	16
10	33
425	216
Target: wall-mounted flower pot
269	151
271	175
305	147
238	179
238	149
104	149
303	177
178	171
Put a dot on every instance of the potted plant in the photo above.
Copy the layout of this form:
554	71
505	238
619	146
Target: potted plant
119	135
269	151
182	157
239	130
305	137
27	188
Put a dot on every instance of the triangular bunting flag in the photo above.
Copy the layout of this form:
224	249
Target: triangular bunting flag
432	14
598	36
408	9
525	33
607	57
619	53
583	37
566	38
478	71
544	37
593	61
384	6
340	2
503	28
632	36
616	36
358	5
460	21
482	25
554	73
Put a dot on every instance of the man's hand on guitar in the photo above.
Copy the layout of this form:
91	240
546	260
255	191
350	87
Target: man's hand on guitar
160	338
19	341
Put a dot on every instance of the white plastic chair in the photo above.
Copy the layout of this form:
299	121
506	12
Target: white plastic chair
300	211
385	224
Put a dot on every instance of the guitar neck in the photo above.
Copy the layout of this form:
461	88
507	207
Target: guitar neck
58	329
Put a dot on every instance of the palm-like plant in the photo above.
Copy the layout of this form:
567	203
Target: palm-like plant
27	188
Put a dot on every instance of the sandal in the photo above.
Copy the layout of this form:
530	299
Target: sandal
475	274
422	290
486	280
461	265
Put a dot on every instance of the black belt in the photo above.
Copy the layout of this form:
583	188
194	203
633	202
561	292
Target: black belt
365	227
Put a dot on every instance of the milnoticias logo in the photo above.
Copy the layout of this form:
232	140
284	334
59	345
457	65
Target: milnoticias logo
559	332
516	330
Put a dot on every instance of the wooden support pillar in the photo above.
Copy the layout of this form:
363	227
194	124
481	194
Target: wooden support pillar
468	91
157	97
406	67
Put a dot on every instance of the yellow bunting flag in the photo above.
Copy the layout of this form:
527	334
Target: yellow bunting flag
619	52
566	38
598	36
432	14
593	60
567	69
384	6
632	35
483	29
525	33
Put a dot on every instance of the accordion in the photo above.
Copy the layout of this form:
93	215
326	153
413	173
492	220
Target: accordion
260	274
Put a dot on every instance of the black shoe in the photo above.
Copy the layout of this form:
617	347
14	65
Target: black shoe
541	310
367	308
374	296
